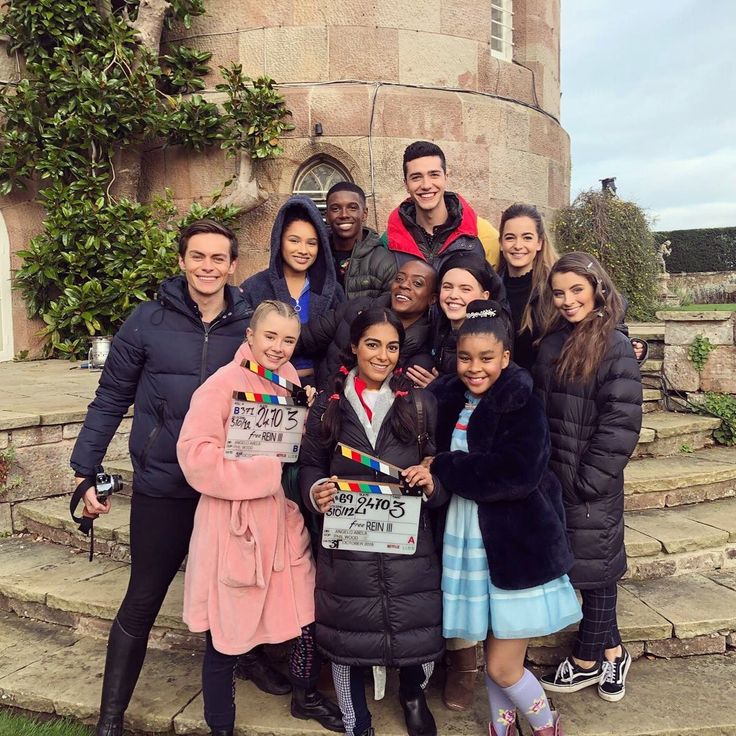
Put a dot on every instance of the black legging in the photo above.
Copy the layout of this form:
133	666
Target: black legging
160	529
218	677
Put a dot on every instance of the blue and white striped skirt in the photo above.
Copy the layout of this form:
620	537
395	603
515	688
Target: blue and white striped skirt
473	607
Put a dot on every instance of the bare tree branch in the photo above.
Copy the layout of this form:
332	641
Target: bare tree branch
104	8
246	192
149	24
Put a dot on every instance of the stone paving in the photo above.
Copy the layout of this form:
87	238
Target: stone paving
44	392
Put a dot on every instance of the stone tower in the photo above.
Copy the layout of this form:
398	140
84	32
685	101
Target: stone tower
363	79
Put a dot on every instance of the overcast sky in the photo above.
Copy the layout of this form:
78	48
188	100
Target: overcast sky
649	96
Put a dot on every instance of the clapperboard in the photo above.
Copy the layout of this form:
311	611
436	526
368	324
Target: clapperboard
373	517
265	424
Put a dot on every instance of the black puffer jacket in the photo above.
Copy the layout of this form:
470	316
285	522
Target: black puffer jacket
327	336
372	608
371	268
594	428
158	358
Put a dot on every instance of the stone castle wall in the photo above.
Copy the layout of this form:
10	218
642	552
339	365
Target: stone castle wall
376	75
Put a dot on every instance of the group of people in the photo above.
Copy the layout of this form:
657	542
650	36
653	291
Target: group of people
492	373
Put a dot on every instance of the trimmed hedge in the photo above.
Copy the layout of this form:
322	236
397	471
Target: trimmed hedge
707	249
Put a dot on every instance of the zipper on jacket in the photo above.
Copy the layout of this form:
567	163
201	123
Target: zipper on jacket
203	365
587	510
386	622
207	329
154	433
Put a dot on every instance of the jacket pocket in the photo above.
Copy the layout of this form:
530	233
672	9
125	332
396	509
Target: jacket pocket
238	562
154	433
297	536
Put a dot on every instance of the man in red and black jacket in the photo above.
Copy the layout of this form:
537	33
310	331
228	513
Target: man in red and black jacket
433	223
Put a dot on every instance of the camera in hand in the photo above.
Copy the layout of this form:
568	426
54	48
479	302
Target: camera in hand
106	484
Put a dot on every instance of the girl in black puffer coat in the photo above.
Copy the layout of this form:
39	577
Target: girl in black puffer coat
375	608
589	380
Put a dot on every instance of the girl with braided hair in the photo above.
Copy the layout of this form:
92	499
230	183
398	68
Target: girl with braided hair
505	554
375	608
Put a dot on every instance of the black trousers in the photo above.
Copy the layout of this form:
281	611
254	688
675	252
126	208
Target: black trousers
598	628
160	529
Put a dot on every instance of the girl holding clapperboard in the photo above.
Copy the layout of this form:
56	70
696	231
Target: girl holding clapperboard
505	552
378	599
250	575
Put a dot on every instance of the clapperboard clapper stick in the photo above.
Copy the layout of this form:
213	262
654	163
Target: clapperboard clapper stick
402	488
298	393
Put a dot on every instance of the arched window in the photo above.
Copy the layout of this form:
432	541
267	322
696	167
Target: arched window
316	177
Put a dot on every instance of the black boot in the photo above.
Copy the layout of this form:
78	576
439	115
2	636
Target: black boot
222	732
125	655
419	719
254	666
306	704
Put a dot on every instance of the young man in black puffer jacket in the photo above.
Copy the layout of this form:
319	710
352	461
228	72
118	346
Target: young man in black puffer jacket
163	352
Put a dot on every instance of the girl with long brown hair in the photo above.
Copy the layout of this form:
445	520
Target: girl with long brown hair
527	256
589	380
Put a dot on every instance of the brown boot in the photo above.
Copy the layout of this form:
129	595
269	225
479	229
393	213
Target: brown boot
462	668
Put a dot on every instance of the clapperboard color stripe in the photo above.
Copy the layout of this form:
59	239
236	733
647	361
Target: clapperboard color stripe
359	486
372	462
263	398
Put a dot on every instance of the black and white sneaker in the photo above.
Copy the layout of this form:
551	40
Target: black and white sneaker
612	686
570	677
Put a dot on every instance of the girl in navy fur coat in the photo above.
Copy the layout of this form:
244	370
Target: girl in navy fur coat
506	553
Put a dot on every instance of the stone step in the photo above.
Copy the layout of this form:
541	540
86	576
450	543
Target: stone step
652	365
682	539
124	467
49	518
59	585
51	670
667	617
657	482
670	433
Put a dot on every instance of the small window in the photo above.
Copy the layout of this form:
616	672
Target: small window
316	177
502	29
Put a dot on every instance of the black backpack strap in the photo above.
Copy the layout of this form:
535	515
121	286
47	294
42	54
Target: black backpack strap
422	436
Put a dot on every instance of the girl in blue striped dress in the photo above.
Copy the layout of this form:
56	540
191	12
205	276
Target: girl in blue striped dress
506	553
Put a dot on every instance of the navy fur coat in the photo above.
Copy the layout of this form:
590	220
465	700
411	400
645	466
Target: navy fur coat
505	472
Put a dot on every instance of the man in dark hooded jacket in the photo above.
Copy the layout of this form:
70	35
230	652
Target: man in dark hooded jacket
161	354
362	265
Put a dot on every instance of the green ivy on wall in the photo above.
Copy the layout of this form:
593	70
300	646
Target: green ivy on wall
94	92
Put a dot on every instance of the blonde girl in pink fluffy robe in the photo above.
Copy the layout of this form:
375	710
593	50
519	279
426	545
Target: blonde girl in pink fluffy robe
250	574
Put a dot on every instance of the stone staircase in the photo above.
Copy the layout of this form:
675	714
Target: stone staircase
678	600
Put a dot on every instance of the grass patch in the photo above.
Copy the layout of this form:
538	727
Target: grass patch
703	308
14	724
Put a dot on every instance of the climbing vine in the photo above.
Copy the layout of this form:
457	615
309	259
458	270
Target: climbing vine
96	90
698	352
722	406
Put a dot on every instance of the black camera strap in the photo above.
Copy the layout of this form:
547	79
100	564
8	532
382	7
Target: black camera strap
86	523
